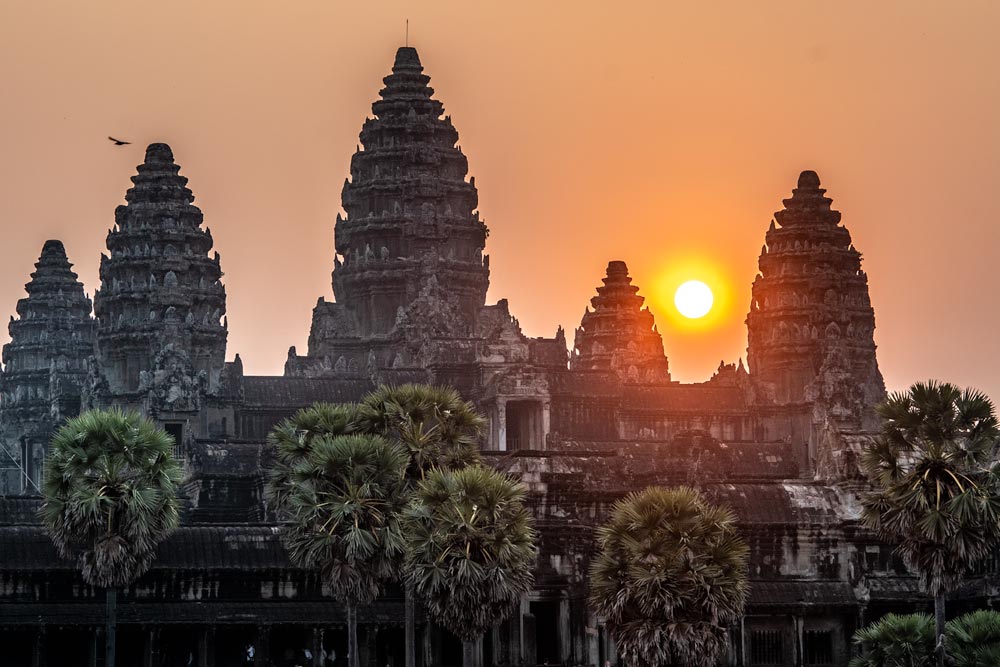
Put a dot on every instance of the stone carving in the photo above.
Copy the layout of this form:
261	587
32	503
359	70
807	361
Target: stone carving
158	207
173	386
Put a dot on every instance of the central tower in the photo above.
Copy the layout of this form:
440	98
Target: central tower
410	211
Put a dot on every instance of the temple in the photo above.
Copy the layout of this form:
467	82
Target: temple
777	440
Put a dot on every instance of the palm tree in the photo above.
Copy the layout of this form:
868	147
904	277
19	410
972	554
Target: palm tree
291	440
470	550
110	497
341	514
974	639
937	485
908	641
670	575
896	641
438	429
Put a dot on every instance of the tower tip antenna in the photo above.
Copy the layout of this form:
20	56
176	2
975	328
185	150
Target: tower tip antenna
407	43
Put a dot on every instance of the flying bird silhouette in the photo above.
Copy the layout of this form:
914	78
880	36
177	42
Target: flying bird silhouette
119	142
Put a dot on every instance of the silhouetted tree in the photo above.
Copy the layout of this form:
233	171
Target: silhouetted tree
438	429
110	497
670	576
470	550
341	515
938	485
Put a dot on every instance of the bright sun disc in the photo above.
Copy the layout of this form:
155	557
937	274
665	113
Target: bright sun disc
693	299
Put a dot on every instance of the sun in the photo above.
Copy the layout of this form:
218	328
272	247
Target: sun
693	299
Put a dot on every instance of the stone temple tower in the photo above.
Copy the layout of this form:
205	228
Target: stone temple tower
44	367
411	226
161	331
811	321
619	335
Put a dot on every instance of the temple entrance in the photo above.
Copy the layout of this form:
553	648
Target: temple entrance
524	425
546	613
235	646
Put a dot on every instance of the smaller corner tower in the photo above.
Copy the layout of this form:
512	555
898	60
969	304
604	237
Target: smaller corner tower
44	367
619	334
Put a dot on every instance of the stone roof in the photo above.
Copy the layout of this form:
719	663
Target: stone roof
797	592
299	392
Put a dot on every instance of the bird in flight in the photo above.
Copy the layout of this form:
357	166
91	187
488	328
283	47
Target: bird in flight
119	142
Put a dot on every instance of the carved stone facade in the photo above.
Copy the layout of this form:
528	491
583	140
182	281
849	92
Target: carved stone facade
160	290
45	367
777	441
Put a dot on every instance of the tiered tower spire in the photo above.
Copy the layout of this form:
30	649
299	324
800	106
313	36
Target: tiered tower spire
620	335
811	321
160	290
44	365
410	211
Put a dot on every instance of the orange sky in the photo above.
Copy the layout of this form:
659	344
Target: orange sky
660	133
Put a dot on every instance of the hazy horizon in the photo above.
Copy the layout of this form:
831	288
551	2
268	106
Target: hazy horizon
665	137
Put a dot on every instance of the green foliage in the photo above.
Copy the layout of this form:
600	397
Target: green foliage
973	640
897	641
438	428
669	577
938	482
471	547
110	494
342	511
292	439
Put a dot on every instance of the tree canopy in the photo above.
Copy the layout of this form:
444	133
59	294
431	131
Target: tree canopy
669	577
110	494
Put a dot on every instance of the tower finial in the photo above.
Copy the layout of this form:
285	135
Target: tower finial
407	43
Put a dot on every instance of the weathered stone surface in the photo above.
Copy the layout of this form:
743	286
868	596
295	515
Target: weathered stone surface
161	337
45	366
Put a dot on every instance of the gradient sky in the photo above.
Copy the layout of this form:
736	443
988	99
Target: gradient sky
663	134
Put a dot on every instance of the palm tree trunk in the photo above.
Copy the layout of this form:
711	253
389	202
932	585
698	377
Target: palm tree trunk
411	625
353	660
939	628
111	623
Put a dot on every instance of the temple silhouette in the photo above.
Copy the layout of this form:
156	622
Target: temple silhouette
778	439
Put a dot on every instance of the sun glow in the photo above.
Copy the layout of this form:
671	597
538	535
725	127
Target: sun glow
693	299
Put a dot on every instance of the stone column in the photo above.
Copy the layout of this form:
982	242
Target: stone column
565	647
498	642
151	650
592	643
501	430
367	651
543	443
530	653
206	647
797	623
430	653
262	646
38	658
93	646
317	647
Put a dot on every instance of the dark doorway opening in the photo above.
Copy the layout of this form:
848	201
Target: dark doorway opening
176	431
546	613
524	425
